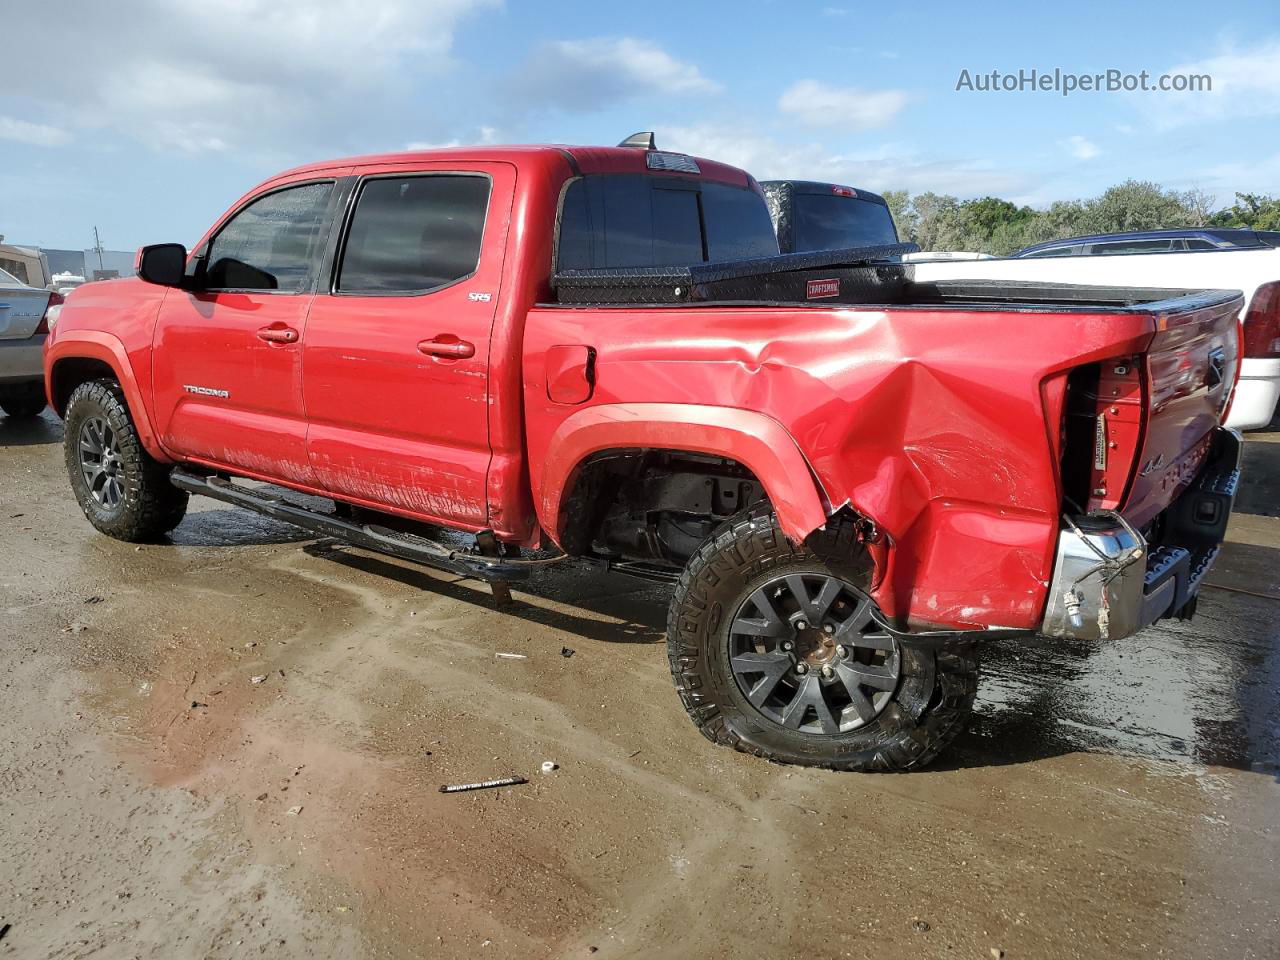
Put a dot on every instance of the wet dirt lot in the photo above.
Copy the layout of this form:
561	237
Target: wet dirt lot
1111	800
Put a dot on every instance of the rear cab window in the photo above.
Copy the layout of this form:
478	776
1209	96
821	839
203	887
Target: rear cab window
831	222
635	220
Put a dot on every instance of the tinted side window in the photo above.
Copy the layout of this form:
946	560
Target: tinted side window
1195	243
1131	246
414	233
272	244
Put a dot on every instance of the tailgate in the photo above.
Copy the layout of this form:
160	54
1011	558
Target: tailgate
1191	368
20	311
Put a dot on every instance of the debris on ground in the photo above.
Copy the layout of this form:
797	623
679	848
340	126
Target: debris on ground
293	811
997	953
94	599
567	652
258	679
196	704
549	765
482	785
512	656
920	926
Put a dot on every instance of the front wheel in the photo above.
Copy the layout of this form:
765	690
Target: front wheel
778	651
123	491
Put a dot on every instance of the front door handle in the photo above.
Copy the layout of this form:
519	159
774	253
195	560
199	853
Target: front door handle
447	345
281	334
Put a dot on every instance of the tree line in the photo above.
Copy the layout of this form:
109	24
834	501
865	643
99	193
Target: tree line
995	226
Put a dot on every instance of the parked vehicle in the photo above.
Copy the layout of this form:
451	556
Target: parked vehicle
850	478
24	321
1254	270
808	215
27	264
1154	241
64	283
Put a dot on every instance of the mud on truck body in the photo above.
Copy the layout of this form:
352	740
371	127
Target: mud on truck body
851	478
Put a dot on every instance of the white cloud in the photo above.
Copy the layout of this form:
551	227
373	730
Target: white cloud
1245	83
36	134
485	136
194	76
820	105
887	168
590	74
1080	147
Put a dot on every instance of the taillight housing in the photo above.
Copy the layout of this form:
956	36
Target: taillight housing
1262	323
51	311
1105	411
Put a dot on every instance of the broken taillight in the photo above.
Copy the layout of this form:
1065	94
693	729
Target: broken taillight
1102	432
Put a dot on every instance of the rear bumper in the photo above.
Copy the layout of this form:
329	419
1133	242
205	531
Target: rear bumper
1256	394
22	361
1109	583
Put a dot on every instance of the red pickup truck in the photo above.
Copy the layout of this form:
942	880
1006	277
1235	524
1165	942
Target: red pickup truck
850	477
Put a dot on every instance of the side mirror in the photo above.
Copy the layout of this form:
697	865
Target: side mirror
163	264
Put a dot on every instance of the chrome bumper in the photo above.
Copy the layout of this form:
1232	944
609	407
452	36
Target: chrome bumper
1109	583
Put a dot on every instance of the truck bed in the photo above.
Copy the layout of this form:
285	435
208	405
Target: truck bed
867	277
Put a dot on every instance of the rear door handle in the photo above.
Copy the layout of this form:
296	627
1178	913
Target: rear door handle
447	345
274	334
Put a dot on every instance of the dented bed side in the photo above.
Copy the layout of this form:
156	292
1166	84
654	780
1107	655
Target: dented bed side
940	425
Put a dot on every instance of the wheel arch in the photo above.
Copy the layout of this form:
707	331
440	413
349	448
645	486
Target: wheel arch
756	442
92	355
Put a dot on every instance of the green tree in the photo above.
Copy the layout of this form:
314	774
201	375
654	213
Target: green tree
1137	205
1251	210
904	217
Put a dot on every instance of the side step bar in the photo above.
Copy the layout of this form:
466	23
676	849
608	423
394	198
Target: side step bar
378	539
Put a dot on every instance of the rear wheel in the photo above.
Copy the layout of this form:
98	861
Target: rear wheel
778	651
23	401
123	491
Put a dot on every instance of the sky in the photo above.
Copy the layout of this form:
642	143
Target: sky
147	118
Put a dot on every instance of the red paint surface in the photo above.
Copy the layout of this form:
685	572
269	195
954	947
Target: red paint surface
941	425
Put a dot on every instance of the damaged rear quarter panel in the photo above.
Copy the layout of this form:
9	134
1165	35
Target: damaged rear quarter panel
929	421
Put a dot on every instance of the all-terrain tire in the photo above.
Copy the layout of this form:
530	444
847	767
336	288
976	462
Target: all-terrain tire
23	402
150	506
925	711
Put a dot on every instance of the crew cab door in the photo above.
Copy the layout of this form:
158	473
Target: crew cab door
396	356
227	374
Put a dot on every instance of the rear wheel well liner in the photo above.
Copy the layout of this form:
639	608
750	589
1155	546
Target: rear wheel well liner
757	442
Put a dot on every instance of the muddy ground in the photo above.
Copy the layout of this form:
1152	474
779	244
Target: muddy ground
1111	800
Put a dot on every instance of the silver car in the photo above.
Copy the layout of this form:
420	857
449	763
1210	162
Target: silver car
24	324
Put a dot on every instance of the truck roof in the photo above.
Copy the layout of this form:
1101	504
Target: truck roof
585	160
